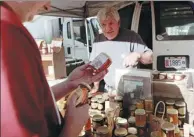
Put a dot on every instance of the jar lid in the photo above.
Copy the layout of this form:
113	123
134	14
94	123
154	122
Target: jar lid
118	98
94	99
133	107
102	130
170	102
121	121
120	132
191	130
99	96
172	111
181	117
140	111
131	136
167	126
149	99
131	119
101	100
97	118
132	130
180	104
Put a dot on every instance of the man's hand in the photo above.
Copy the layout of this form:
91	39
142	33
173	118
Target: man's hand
75	117
132	59
85	74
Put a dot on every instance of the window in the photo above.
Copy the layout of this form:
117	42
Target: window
95	26
79	31
68	30
174	20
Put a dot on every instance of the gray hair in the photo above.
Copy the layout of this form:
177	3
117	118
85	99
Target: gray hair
106	12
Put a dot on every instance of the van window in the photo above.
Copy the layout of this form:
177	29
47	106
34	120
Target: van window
68	30
95	26
79	31
174	20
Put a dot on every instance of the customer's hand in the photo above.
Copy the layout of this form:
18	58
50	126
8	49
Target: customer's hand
132	59
85	74
75	117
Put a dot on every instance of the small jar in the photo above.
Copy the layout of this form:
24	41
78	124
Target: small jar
148	104
140	117
132	109
140	104
181	107
119	101
172	115
181	121
101	62
132	131
121	123
170	104
101	104
191	132
102	132
167	129
120	132
97	121
131	121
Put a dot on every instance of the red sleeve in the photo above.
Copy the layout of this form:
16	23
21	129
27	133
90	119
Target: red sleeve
22	91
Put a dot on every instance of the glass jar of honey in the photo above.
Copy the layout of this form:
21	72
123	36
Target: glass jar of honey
167	129
181	107
140	117
140	104
102	132
121	123
132	131
120	132
169	104
148	104
101	62
97	121
172	115
131	121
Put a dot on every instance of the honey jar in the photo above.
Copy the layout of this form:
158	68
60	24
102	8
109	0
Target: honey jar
191	132
167	129
101	104
97	121
170	104
172	115
132	110
132	131
121	123
120	132
119	101
139	104
148	115
131	121
140	117
101	62
148	104
181	107
102	132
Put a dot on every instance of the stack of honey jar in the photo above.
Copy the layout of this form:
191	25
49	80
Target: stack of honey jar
139	122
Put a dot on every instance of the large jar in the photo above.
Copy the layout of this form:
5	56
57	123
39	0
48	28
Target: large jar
97	121
120	132
121	123
102	132
181	107
167	130
172	115
140	117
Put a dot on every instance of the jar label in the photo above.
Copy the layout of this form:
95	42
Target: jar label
99	61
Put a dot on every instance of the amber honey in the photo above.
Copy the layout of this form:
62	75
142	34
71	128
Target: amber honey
167	130
140	117
148	104
172	115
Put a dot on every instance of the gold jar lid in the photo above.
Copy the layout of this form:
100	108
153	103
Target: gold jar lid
180	104
172	111
131	119
102	130
120	132
101	100
167	126
140	112
121	121
118	98
170	102
132	130
94	99
181	117
97	118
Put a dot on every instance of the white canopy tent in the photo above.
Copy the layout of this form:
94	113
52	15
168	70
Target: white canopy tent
81	8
